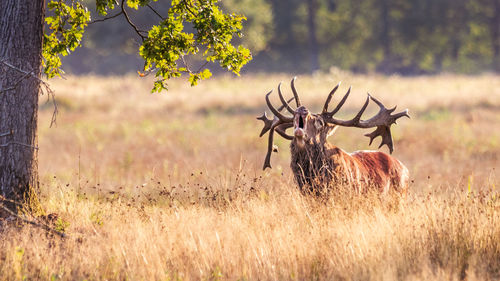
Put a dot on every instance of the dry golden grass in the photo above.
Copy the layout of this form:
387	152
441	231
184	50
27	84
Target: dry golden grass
169	186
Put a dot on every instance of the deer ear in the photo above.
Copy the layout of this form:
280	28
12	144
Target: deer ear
331	129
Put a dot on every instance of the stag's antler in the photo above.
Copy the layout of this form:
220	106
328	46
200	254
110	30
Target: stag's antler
295	95
382	120
279	123
284	102
268	123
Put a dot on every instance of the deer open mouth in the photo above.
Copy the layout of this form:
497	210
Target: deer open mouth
299	131
301	122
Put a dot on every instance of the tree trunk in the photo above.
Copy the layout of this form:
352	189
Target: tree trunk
21	36
313	41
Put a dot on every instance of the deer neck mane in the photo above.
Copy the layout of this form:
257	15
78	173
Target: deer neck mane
315	163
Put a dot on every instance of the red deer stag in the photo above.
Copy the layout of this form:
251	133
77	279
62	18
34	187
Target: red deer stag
317	163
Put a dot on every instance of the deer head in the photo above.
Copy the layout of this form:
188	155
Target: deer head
310	128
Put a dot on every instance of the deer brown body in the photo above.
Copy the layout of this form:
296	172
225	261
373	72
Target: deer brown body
317	164
363	170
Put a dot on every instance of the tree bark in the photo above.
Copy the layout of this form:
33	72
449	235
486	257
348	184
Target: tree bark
21	37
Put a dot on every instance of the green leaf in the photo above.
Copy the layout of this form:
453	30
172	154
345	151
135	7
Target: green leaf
205	74
65	31
168	44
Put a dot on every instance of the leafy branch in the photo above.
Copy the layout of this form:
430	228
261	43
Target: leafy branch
165	46
66	27
167	43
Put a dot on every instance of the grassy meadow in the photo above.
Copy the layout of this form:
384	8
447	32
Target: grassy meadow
170	186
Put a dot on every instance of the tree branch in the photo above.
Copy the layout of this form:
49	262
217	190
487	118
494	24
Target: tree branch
188	8
185	64
106	18
131	23
202	66
156	12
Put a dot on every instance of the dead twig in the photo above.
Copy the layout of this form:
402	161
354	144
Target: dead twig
32	222
10	200
16	83
50	96
18	143
6	134
43	85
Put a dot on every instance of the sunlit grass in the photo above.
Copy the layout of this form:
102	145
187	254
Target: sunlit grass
169	186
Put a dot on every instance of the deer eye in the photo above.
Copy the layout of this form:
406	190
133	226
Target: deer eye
318	124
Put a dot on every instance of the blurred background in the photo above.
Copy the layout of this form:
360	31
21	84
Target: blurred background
406	37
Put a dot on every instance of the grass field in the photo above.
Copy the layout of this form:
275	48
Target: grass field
170	187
